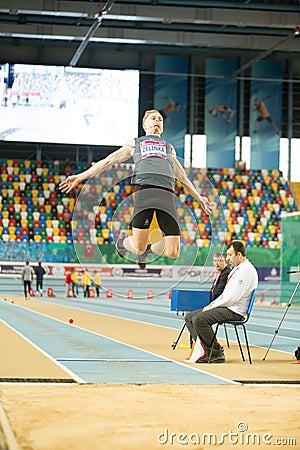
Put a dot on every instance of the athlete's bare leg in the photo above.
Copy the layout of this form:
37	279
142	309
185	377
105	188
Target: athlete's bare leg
137	243
169	246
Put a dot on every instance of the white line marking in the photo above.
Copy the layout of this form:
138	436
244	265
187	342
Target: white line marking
9	437
127	345
65	369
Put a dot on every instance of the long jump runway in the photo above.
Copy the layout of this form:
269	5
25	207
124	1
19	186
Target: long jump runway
261	326
90	357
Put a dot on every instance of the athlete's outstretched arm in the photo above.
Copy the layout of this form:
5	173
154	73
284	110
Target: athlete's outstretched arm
119	156
189	187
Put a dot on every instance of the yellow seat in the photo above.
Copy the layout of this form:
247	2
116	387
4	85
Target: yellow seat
185	235
260	228
180	212
127	218
37	238
56	179
201	227
272	229
206	242
105	233
228	236
231	228
257	237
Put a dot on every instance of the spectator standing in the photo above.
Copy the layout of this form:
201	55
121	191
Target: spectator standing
86	283
97	282
68	282
74	280
27	277
39	273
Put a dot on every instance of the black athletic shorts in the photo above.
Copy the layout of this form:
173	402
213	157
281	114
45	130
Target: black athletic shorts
150	198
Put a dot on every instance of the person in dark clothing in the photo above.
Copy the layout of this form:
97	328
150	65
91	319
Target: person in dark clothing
39	272
222	272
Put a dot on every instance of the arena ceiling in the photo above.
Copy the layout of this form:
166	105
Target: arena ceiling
237	27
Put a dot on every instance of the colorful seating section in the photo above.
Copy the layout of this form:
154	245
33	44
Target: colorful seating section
32	208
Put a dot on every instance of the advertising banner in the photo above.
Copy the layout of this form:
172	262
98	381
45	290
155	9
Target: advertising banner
171	88
265	114
220	112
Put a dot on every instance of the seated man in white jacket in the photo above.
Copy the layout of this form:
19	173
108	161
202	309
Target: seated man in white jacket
232	304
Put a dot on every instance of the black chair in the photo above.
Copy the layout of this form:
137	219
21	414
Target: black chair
236	323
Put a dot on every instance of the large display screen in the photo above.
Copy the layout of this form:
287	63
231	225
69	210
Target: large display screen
68	105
